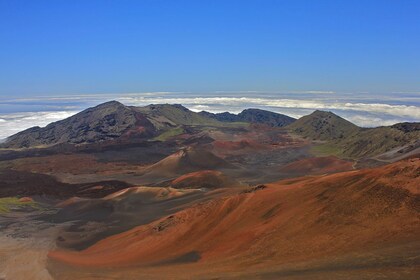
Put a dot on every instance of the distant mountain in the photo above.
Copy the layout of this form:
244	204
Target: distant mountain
112	121
252	116
109	121
407	126
375	141
349	140
321	125
265	117
223	117
106	121
163	115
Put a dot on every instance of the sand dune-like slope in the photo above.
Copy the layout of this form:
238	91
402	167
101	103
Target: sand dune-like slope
288	221
210	179
147	194
126	198
120	211
187	160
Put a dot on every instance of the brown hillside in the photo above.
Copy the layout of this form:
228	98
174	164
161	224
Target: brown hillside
288	221
209	179
317	165
187	160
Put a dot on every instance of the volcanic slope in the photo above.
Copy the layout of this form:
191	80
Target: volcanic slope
209	179
322	125
106	121
95	219
185	161
345	139
307	223
370	142
22	183
109	121
252	116
316	165
162	115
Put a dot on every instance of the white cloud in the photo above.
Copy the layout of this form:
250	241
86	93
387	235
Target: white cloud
199	108
15	122
363	110
369	121
315	92
246	102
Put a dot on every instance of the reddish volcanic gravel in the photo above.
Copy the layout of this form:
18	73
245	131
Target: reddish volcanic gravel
317	165
292	220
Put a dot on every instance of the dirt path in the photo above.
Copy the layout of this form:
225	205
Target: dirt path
24	245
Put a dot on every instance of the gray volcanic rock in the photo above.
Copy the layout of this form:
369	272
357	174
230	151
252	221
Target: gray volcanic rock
109	121
252	116
223	117
106	121
265	117
407	126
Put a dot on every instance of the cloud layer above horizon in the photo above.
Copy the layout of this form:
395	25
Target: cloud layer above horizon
362	109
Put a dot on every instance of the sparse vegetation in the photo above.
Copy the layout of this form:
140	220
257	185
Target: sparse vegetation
324	126
326	149
169	133
375	141
346	139
14	203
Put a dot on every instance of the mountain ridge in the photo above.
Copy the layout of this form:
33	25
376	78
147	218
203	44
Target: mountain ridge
108	121
111	121
253	116
353	141
322	125
105	121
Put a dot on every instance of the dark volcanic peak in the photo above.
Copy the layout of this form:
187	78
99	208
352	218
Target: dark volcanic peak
252	116
223	117
324	114
110	104
265	117
156	107
113	120
322	125
106	121
407	126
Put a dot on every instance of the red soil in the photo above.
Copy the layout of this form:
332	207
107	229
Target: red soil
237	145
73	164
291	220
25	199
186	160
203	179
317	165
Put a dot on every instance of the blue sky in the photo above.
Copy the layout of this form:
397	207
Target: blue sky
84	47
359	59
